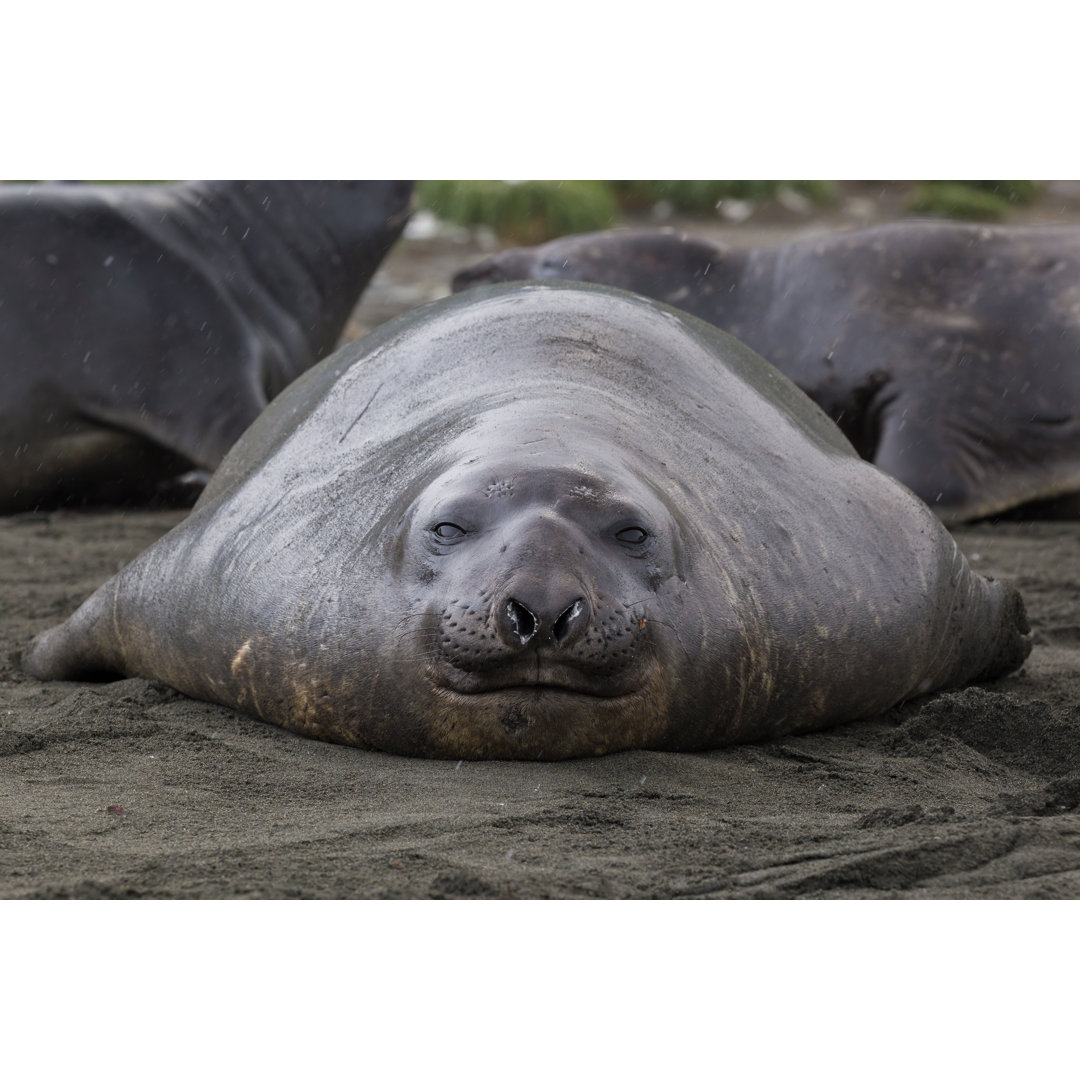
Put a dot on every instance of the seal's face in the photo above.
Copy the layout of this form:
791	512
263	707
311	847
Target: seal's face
542	634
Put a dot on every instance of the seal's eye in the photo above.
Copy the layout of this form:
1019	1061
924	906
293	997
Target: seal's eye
447	530
632	535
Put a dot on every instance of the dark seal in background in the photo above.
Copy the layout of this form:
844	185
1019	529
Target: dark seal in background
143	328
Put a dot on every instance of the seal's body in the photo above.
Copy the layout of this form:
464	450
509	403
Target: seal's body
143	328
947	353
545	522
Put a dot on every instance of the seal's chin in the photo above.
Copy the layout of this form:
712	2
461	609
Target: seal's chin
540	708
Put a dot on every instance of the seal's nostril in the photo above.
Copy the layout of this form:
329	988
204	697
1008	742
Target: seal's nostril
522	619
565	622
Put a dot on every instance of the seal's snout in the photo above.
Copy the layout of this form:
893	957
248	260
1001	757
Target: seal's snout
542	621
507	266
487	272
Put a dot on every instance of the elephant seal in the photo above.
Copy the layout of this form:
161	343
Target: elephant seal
143	328
946	353
546	522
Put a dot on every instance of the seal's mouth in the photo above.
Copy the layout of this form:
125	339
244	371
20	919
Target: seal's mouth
546	679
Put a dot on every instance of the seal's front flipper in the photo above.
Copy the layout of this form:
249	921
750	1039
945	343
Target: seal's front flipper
84	647
1013	642
942	459
966	464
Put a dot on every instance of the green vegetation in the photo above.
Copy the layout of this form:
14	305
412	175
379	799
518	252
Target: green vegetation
971	200
532	211
1021	192
701	196
525	212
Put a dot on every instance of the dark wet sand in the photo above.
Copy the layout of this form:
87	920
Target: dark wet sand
128	789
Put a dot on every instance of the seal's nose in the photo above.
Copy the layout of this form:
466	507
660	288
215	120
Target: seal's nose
567	622
541	620
523	621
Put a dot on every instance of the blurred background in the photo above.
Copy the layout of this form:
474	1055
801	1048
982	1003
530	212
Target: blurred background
457	222
530	211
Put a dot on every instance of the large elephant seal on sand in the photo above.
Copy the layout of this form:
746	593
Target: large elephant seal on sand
542	522
946	353
143	328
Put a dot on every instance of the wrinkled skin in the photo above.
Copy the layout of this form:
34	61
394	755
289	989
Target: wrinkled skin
946	353
142	329
546	522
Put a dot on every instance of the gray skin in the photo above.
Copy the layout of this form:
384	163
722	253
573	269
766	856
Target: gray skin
143	328
946	353
546	522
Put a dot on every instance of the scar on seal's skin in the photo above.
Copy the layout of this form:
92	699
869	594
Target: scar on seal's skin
241	656
360	415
